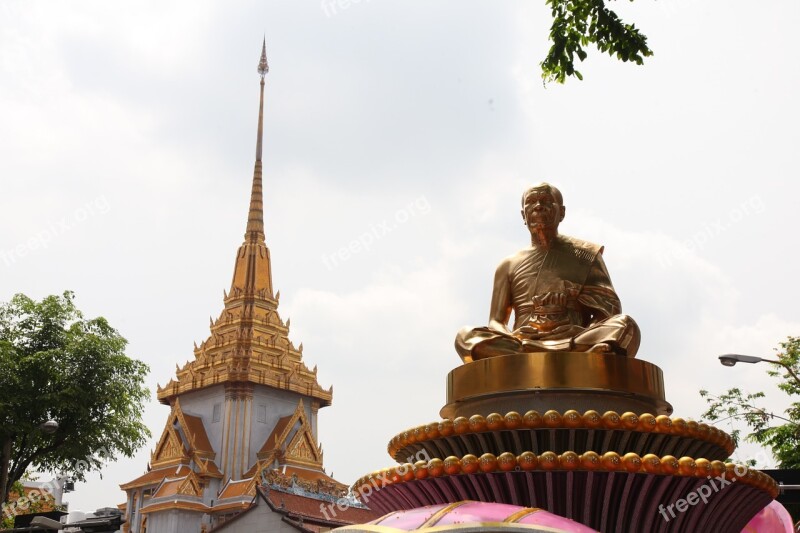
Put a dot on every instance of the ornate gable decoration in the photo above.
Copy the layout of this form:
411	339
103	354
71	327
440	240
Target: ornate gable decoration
184	440
303	449
292	441
278	442
191	486
169	450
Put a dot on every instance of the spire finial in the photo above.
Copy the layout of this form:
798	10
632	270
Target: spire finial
263	66
255	218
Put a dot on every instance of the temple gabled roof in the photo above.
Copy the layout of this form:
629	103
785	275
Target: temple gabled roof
249	342
293	438
154	477
187	485
185	441
182	449
237	489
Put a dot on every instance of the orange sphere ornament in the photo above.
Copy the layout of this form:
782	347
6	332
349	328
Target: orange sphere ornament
591	460
611	420
679	426
383	477
630	420
477	423
669	465
488	462
406	471
632	462
469	464
431	431
663	424
436	467
452	465
548	461
686	466
552	419
651	463
532	420
702	467
592	419
513	420
528	461
460	425
396	474
717	468
495	422
611	461
506	461
446	427
421	469
569	460
572	419
647	422
713	434
692	427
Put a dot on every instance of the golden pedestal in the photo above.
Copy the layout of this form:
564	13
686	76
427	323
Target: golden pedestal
555	380
585	436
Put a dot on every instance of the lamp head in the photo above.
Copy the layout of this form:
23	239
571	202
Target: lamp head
49	427
730	359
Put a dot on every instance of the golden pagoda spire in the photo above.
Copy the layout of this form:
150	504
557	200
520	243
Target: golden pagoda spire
255	218
252	275
249	342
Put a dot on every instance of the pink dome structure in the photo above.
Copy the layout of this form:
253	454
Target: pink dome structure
774	518
473	517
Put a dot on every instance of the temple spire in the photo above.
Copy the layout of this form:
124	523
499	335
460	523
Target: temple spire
252	276
255	218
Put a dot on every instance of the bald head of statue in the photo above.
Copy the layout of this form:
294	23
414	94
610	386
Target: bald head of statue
543	210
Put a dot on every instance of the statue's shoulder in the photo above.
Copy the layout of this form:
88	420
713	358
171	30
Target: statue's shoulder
584	250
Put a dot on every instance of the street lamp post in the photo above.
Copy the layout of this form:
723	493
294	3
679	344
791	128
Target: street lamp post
730	359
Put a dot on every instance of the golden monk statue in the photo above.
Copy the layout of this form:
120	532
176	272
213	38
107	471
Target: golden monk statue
559	290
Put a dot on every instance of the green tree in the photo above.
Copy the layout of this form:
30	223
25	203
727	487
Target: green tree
576	24
778	432
57	365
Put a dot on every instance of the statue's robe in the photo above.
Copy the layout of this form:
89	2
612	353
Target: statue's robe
591	315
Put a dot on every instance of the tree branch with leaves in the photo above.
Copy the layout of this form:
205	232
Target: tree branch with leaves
59	366
579	23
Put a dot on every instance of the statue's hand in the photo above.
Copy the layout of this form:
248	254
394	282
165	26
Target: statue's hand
526	332
552	300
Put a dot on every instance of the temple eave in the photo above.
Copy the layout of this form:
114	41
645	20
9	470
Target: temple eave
169	392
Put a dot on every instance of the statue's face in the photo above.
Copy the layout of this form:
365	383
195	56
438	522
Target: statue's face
541	211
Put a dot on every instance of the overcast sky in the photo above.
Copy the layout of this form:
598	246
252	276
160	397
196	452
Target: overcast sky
128	136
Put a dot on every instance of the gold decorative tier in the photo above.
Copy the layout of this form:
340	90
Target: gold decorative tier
563	380
553	431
